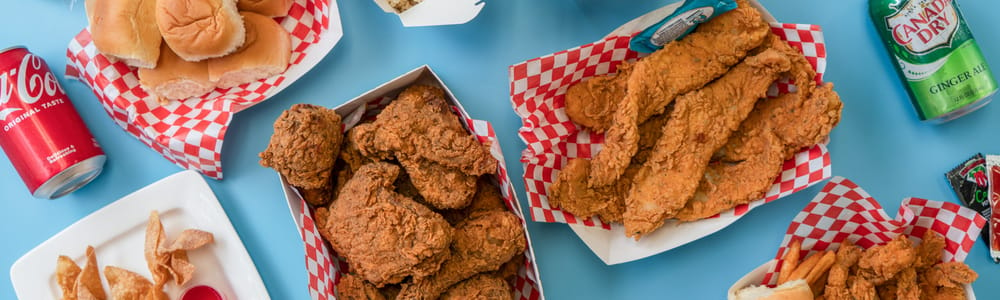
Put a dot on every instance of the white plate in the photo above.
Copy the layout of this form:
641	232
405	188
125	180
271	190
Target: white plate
118	231
757	275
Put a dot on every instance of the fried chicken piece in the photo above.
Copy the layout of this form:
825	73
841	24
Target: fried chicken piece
481	245
571	193
887	290
680	67
861	289
352	287
930	250
649	134
699	124
352	154
802	73
385	237
479	287
305	145
486	199
510	269
420	125
880	263
950	274
592	102
946	293
317	197
755	153
441	187
906	285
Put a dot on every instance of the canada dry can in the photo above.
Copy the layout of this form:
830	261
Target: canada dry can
936	56
43	135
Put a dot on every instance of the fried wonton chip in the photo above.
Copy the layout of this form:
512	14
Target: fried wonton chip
126	284
66	273
190	239
154	260
88	284
180	267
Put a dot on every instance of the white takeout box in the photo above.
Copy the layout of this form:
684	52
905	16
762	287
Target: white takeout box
352	113
436	12
757	275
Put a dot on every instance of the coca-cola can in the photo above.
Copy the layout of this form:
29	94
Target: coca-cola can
43	135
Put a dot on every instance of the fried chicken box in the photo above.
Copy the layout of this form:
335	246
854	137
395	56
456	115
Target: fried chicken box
843	211
436	12
324	267
538	87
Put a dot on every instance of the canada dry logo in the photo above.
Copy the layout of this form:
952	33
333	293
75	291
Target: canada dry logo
923	25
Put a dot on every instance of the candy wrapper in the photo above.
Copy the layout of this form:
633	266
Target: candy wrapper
324	267
842	210
993	173
537	94
190	132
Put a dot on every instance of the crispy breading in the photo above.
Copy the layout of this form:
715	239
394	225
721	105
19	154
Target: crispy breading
571	193
950	274
752	158
880	263
592	102
385	236
352	287
481	244
304	146
906	285
699	124
930	250
680	67
861	289
479	287
486	199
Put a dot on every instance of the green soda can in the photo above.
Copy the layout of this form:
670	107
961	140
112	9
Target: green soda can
936	56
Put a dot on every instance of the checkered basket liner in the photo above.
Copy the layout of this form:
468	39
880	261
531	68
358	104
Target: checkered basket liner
842	210
325	268
188	133
537	93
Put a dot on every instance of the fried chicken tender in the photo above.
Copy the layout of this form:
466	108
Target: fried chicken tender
420	125
351	287
700	123
571	193
861	289
384	236
802	72
479	287
592	102
880	263
906	285
305	145
649	134
950	274
481	245
680	67
930	250
754	154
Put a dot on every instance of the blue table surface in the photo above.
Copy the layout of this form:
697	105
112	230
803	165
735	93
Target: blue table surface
879	144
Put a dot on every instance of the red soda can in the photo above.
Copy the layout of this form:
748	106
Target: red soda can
43	135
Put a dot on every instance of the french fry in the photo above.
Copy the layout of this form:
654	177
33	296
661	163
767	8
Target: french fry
824	264
791	261
807	265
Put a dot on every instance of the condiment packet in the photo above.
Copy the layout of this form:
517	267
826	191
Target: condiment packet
679	23
971	185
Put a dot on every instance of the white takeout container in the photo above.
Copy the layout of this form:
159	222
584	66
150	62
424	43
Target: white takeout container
436	12
352	113
756	276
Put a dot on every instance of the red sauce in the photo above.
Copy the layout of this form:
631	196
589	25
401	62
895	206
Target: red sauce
201	292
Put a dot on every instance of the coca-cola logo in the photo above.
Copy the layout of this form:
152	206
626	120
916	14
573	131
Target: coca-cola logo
30	83
924	25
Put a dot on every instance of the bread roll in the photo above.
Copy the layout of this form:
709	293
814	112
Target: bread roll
265	53
792	290
200	29
270	8
125	30
175	78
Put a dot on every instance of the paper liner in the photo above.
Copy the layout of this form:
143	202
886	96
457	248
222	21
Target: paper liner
842	210
538	88
190	132
325	268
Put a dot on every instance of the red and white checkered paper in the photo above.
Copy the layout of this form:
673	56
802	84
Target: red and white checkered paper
190	132
842	210
325	268
538	87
